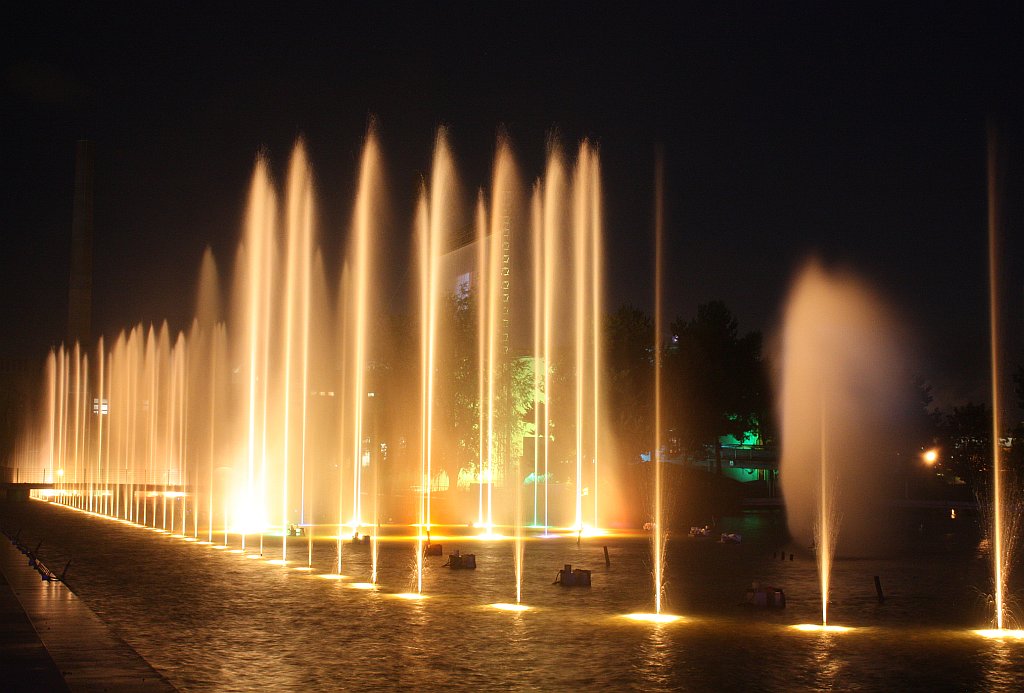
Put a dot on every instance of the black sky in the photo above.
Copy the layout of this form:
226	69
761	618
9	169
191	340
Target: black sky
854	132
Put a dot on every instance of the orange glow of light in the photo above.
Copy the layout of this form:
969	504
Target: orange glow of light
653	618
219	547
236	551
253	556
409	596
818	628
509	607
930	457
278	561
363	586
303	569
1001	634
332	576
189	539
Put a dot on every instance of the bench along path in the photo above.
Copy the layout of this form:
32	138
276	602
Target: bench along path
80	647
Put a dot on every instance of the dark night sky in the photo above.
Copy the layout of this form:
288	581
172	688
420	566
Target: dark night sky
855	133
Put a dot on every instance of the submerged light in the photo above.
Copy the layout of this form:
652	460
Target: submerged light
1001	634
653	618
819	628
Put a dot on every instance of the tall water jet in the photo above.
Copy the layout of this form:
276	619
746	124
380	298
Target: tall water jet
553	228
257	281
586	213
844	392
1002	537
482	291
296	335
422	233
537	254
657	535
504	201
438	229
596	233
363	254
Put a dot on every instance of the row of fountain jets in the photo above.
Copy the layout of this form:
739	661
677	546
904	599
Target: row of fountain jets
217	429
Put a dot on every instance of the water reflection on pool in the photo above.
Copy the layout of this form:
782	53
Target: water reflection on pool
212	620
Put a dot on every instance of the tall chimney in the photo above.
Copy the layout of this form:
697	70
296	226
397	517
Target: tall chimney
80	281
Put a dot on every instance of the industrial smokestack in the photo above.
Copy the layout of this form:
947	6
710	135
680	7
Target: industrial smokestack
80	281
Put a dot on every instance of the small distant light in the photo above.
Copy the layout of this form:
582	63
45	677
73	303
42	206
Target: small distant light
952	513
370	394
60	472
930	456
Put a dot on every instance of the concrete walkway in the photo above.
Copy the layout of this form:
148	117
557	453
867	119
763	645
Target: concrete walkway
51	641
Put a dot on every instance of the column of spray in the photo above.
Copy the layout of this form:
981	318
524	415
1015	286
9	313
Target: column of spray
554	195
166	393
536	236
138	383
499	268
296	299
580	229
218	364
316	464
97	412
422	234
206	375
58	421
173	451
131	455
109	485
481	294
51	401
79	363
596	311
65	382
197	354
149	374
181	362
258	249
824	535
656	461
367	205
442	190
344	444
117	417
998	543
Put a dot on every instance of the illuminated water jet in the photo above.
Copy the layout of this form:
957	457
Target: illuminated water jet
843	389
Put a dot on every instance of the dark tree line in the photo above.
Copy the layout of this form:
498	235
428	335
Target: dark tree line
714	381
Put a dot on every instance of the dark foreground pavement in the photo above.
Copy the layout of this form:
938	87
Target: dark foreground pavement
51	641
